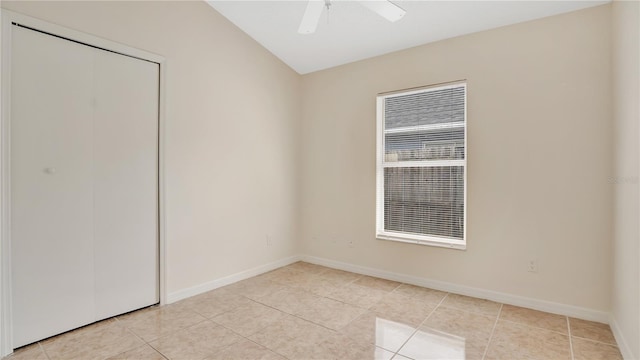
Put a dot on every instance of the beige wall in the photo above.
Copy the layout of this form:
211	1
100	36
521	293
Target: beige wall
539	159
626	240
232	116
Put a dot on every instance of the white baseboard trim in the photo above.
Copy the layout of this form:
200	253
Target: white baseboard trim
620	339
536	304
214	284
542	305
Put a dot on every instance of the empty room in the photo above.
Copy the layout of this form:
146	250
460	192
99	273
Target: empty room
320	179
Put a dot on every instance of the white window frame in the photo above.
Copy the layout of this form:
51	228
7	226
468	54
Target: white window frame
381	164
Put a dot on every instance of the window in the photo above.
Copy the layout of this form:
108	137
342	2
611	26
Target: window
421	166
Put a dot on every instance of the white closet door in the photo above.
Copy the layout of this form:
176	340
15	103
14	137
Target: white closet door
84	184
51	185
125	183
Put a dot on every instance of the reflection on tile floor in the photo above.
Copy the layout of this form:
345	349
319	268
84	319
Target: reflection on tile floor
306	311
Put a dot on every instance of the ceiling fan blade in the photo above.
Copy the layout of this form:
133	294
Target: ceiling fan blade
311	17
384	8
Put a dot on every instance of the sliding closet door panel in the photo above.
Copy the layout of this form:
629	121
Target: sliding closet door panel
51	182
125	183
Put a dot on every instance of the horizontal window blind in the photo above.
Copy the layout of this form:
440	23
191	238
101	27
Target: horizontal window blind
422	192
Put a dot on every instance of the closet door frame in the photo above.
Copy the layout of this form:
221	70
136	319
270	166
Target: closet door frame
8	20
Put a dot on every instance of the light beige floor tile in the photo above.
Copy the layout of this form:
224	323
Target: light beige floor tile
255	287
196	342
517	341
214	303
208	308
225	296
322	286
402	309
590	350
97	341
591	330
461	323
30	352
144	352
371	329
308	267
347	349
472	304
357	295
280	273
284	331
99	353
330	313
474	328
535	318
422	293
152	323
432	344
326	344
289	277
249	319
246	350
306	346
344	277
289	300
377	283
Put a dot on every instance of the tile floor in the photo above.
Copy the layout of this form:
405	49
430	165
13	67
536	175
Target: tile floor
306	311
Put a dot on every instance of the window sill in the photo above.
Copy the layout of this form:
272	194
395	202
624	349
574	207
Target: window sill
437	243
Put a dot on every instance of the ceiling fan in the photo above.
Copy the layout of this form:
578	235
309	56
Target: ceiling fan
384	8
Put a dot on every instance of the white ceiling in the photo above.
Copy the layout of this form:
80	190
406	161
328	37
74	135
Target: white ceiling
350	32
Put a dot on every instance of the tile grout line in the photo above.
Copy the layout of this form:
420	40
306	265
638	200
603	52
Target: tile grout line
271	307
595	341
322	297
319	296
534	327
434	309
570	341
268	349
397	352
246	338
156	350
474	312
493	330
286	313
148	343
43	350
144	342
129	330
256	301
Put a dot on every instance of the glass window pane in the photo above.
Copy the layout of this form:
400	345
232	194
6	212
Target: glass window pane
443	144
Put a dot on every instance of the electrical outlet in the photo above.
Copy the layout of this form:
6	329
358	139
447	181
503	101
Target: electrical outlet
533	266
